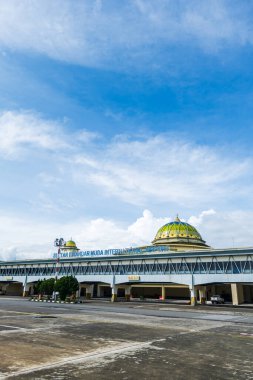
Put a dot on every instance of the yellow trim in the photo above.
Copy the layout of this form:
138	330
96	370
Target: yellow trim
158	286
193	301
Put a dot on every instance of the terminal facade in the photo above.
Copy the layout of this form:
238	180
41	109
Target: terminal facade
178	265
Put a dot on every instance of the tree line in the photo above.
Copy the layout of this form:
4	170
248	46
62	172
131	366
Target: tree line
66	286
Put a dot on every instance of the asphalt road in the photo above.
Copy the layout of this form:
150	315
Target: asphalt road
100	341
213	313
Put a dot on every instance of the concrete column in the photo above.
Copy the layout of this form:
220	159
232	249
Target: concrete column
193	295
213	290
32	289
237	294
163	292
78	292
202	295
4	288
25	290
99	291
127	293
81	286
89	291
246	293
114	293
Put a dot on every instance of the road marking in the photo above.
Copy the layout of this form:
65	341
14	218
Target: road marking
91	356
246	334
11	327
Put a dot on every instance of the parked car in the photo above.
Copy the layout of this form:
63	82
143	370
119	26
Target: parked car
217	299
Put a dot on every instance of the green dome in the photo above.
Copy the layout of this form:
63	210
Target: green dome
178	233
178	229
70	244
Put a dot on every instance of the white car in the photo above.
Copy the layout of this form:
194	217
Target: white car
217	299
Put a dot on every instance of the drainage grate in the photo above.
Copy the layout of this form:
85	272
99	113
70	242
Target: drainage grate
4	328
45	316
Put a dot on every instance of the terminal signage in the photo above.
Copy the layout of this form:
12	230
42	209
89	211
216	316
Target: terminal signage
134	278
108	252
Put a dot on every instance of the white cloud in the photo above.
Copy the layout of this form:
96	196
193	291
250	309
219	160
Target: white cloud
164	169
85	136
104	32
198	220
161	170
48	179
102	233
23	238
226	228
146	227
19	130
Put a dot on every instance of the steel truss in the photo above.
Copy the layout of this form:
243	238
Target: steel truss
232	264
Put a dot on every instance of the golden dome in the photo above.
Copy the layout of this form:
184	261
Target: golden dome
70	244
179	235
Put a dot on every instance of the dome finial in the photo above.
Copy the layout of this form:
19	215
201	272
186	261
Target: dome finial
177	219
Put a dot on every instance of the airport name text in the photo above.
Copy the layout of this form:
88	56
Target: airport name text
107	252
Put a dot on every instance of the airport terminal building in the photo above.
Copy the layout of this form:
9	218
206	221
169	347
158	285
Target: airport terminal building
177	265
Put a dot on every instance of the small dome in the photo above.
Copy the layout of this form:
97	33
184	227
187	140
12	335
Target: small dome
178	233
70	244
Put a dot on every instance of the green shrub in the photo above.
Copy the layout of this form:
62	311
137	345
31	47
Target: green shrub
66	286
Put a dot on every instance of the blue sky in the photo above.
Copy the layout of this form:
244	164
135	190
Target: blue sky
113	119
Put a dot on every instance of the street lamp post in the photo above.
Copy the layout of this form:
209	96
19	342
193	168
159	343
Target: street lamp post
58	243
